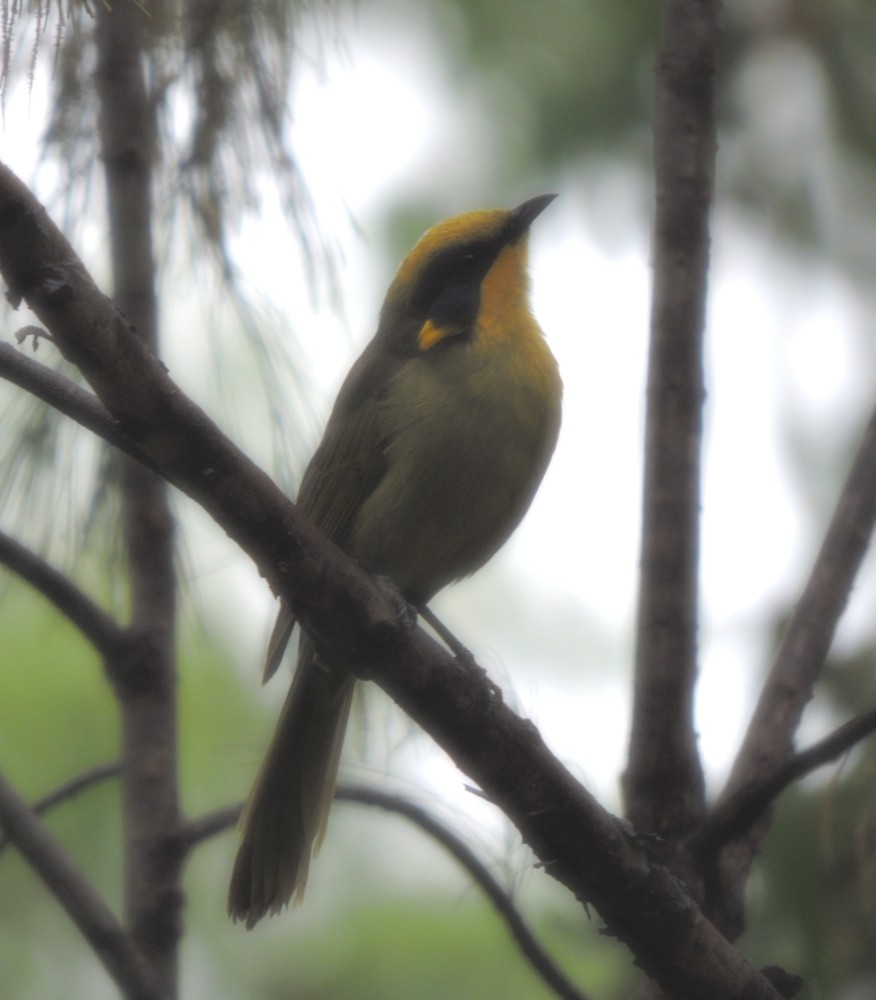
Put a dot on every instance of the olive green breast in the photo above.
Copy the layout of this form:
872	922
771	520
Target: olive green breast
467	433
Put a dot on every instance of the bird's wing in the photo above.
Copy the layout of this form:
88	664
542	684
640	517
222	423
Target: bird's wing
345	469
350	460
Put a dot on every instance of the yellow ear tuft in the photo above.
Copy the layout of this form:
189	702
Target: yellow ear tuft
433	333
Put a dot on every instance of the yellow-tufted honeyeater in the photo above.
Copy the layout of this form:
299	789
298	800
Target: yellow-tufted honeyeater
437	442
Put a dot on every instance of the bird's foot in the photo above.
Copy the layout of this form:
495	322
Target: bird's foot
463	654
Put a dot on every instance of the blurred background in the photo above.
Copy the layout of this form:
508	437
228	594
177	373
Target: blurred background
401	114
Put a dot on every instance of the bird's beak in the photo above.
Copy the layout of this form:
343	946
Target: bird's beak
522	217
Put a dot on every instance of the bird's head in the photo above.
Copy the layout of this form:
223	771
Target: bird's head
458	268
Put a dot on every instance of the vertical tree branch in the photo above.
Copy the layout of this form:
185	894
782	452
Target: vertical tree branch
663	782
146	684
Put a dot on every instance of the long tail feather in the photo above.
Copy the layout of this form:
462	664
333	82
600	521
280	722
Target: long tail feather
285	817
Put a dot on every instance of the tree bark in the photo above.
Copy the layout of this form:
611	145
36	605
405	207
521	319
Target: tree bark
145	681
663	782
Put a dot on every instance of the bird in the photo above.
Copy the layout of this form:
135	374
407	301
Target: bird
437	442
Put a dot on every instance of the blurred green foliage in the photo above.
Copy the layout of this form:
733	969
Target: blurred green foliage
58	720
813	905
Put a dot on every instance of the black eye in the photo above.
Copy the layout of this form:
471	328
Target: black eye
453	271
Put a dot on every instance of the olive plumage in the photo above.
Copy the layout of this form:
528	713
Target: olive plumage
436	445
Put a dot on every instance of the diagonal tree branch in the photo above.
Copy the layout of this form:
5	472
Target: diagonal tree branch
799	661
96	922
353	621
68	790
99	628
65	396
737	813
803	650
663	783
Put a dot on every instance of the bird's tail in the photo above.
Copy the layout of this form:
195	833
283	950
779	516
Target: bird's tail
278	642
285	816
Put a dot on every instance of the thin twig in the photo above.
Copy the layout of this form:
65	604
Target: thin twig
68	790
92	621
736	814
538	958
65	396
196	831
85	907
